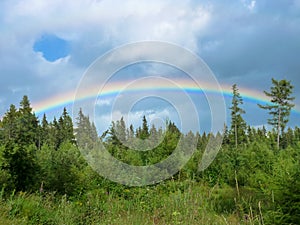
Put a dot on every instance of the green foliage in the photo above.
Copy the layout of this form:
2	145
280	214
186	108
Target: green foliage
164	147
238	125
145	129
44	131
286	185
86	133
168	203
60	169
281	105
9	124
20	164
64	128
45	180
27	124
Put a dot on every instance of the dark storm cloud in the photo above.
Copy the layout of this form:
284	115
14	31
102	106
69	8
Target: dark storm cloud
249	47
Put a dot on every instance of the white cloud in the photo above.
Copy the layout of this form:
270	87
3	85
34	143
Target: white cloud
156	117
250	5
91	27
104	102
133	20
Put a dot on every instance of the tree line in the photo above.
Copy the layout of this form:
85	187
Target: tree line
257	162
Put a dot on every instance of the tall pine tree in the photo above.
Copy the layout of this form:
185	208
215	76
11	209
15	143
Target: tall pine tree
21	135
86	133
145	129
27	131
9	124
65	128
281	105
238	125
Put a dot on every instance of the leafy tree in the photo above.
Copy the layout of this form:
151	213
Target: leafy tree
281	105
238	125
60	170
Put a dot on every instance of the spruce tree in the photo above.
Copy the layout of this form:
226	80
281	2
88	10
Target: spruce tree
86	133
238	125
121	130
27	125
281	105
297	134
145	129
54	140
9	124
153	134
20	133
130	132
67	125
44	131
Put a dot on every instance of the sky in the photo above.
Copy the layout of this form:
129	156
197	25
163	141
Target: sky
46	48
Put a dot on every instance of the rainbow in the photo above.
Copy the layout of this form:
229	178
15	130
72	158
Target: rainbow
112	89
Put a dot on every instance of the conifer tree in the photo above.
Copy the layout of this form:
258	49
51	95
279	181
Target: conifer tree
20	132
130	132
54	140
153	134
121	130
297	133
66	127
280	107
9	124
138	132
86	133
27	125
238	125
145	129
44	131
63	129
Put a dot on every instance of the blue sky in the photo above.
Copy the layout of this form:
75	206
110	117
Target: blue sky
52	47
46	46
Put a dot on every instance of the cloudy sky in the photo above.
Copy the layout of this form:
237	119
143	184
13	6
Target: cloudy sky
46	47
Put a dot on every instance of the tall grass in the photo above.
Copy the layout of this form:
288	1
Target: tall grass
171	202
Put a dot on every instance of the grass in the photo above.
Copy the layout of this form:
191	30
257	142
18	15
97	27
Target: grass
183	202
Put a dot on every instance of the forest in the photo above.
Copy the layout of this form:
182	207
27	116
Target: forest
254	179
